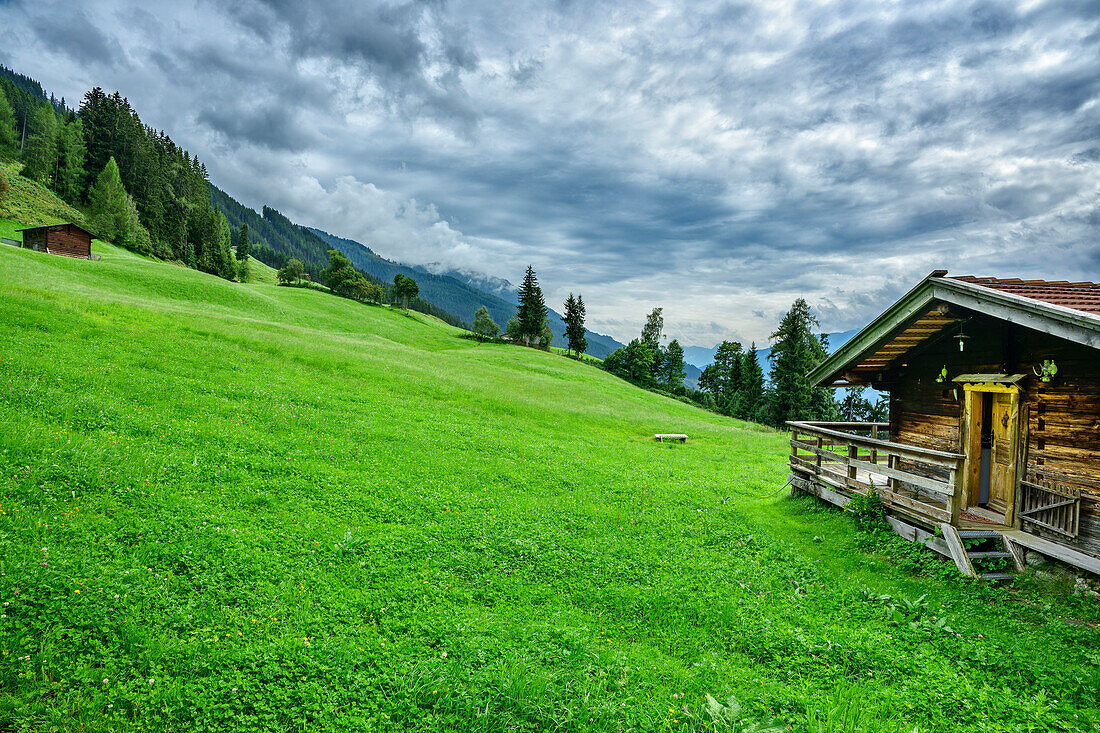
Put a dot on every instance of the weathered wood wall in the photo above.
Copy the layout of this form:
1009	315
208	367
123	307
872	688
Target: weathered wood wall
69	241
1063	417
1064	427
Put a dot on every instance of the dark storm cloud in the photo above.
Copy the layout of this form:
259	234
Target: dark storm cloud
718	158
73	34
274	128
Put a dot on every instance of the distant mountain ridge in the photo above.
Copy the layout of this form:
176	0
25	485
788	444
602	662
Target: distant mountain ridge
456	292
702	357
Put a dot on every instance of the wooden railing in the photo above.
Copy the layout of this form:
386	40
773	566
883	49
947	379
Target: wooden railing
1050	505
850	457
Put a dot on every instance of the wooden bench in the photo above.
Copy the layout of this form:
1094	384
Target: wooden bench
679	437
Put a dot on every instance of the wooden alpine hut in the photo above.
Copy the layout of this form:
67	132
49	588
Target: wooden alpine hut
992	448
70	240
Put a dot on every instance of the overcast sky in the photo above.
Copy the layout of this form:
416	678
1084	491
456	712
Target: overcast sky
718	159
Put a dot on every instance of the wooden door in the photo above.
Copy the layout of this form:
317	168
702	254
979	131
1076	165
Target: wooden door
1002	475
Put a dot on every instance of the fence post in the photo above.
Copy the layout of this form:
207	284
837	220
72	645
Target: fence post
955	478
853	453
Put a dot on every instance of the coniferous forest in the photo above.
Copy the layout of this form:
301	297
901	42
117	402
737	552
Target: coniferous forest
144	192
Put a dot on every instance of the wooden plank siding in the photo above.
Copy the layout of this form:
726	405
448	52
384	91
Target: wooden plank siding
1061	419
59	239
69	241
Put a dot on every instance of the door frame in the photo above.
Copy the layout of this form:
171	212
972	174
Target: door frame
972	441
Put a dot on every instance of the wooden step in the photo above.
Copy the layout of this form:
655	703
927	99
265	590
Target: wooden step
996	576
991	555
978	534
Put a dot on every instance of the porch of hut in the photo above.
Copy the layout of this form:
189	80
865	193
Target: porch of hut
988	454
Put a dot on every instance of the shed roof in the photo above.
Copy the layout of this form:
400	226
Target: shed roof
57	226
1063	309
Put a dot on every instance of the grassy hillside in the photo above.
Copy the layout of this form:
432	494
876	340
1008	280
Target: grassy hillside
32	204
244	507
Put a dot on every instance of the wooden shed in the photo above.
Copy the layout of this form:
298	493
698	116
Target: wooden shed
994	431
70	240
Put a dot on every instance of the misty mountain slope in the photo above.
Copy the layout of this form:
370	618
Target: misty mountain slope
455	292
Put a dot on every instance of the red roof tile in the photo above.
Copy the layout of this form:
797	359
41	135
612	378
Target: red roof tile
1082	296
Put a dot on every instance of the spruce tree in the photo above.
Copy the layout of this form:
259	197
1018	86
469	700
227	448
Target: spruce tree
672	367
574	325
751	403
531	313
40	156
110	211
7	126
225	265
795	352
242	243
69	182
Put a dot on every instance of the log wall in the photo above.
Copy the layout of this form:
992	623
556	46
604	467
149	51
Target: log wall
68	241
1062	417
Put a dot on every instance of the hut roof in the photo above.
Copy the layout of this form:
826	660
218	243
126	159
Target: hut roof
1063	309
1082	296
57	226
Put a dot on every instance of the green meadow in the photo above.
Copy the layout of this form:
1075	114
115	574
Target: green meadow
245	507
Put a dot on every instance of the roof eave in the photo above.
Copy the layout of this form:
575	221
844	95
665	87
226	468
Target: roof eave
1057	320
904	309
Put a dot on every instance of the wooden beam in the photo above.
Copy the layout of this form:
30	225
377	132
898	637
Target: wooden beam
958	552
1017	552
811	487
919	535
1053	549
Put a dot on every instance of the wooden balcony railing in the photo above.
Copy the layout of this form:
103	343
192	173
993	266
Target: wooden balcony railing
850	457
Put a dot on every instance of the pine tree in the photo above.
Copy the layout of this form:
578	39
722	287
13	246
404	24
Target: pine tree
242	243
672	367
574	325
110	211
531	312
40	156
795	352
